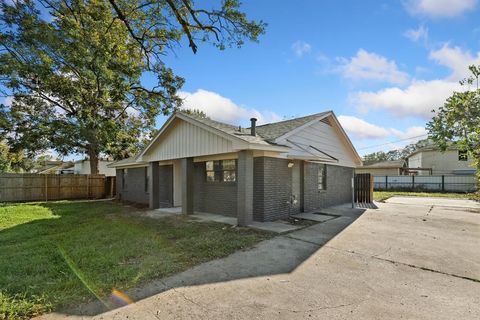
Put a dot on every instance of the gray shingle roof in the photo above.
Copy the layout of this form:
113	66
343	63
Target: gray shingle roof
266	133
237	131
271	131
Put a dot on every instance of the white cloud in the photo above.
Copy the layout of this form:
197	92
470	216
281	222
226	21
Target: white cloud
362	129
417	34
301	48
421	96
418	99
8	101
223	109
456	59
414	133
371	66
440	8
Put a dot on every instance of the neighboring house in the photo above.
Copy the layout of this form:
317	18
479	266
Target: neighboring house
53	167
430	160
262	173
83	167
384	168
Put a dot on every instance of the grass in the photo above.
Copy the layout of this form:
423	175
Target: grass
55	255
384	195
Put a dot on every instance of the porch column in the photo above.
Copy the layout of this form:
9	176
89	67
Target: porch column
153	185
245	188
187	185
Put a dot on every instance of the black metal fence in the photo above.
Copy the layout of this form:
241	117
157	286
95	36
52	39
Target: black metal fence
445	183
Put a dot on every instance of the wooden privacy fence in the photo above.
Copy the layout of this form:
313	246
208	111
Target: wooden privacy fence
45	187
363	188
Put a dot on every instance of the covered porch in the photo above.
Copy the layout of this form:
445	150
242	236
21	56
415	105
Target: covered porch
187	182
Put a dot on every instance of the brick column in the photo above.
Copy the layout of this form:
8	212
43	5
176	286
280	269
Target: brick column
245	188
153	185
187	185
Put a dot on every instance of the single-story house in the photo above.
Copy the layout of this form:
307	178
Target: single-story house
54	167
261	173
384	168
429	160
83	167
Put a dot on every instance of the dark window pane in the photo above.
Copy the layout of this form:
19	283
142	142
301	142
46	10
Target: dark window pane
462	155
322	179
209	165
217	165
228	164
218	176
229	176
210	176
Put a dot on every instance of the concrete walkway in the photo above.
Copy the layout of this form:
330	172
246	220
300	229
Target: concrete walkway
274	226
398	262
432	201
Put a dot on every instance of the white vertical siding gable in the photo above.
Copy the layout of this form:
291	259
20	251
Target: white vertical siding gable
184	139
326	138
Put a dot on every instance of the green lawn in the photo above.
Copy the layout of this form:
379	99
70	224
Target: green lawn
54	255
384	195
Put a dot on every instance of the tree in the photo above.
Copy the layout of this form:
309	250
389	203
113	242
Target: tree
397	154
14	161
195	112
458	120
76	76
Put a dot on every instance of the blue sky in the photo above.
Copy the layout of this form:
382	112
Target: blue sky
381	66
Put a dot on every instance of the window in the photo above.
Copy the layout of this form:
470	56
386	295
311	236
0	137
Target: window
221	171
146	179
124	178
462	155
322	177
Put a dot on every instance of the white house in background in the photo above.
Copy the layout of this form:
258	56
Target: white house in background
384	168
430	160
83	167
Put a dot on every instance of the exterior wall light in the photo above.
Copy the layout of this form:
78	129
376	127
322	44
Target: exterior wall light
290	164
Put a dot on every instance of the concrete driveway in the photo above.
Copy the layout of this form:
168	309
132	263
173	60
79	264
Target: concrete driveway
405	260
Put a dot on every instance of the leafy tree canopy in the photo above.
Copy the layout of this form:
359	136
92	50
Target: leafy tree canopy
195	112
74	68
393	154
458	120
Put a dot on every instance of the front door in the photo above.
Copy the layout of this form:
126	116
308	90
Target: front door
166	186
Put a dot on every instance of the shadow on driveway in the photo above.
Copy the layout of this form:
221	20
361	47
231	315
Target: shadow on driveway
279	255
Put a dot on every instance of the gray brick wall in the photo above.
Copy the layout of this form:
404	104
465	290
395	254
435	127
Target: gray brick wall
134	190
338	189
135	186
272	189
213	197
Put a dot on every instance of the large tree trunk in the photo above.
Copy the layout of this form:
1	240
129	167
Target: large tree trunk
93	157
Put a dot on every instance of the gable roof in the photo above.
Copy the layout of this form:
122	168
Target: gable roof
272	131
265	139
126	162
432	147
236	131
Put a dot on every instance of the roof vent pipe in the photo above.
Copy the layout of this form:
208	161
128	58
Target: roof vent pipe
253	122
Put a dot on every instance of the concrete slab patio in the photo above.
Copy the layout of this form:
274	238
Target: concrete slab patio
274	226
402	261
432	201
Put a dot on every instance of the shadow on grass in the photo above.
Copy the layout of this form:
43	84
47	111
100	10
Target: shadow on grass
78	252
